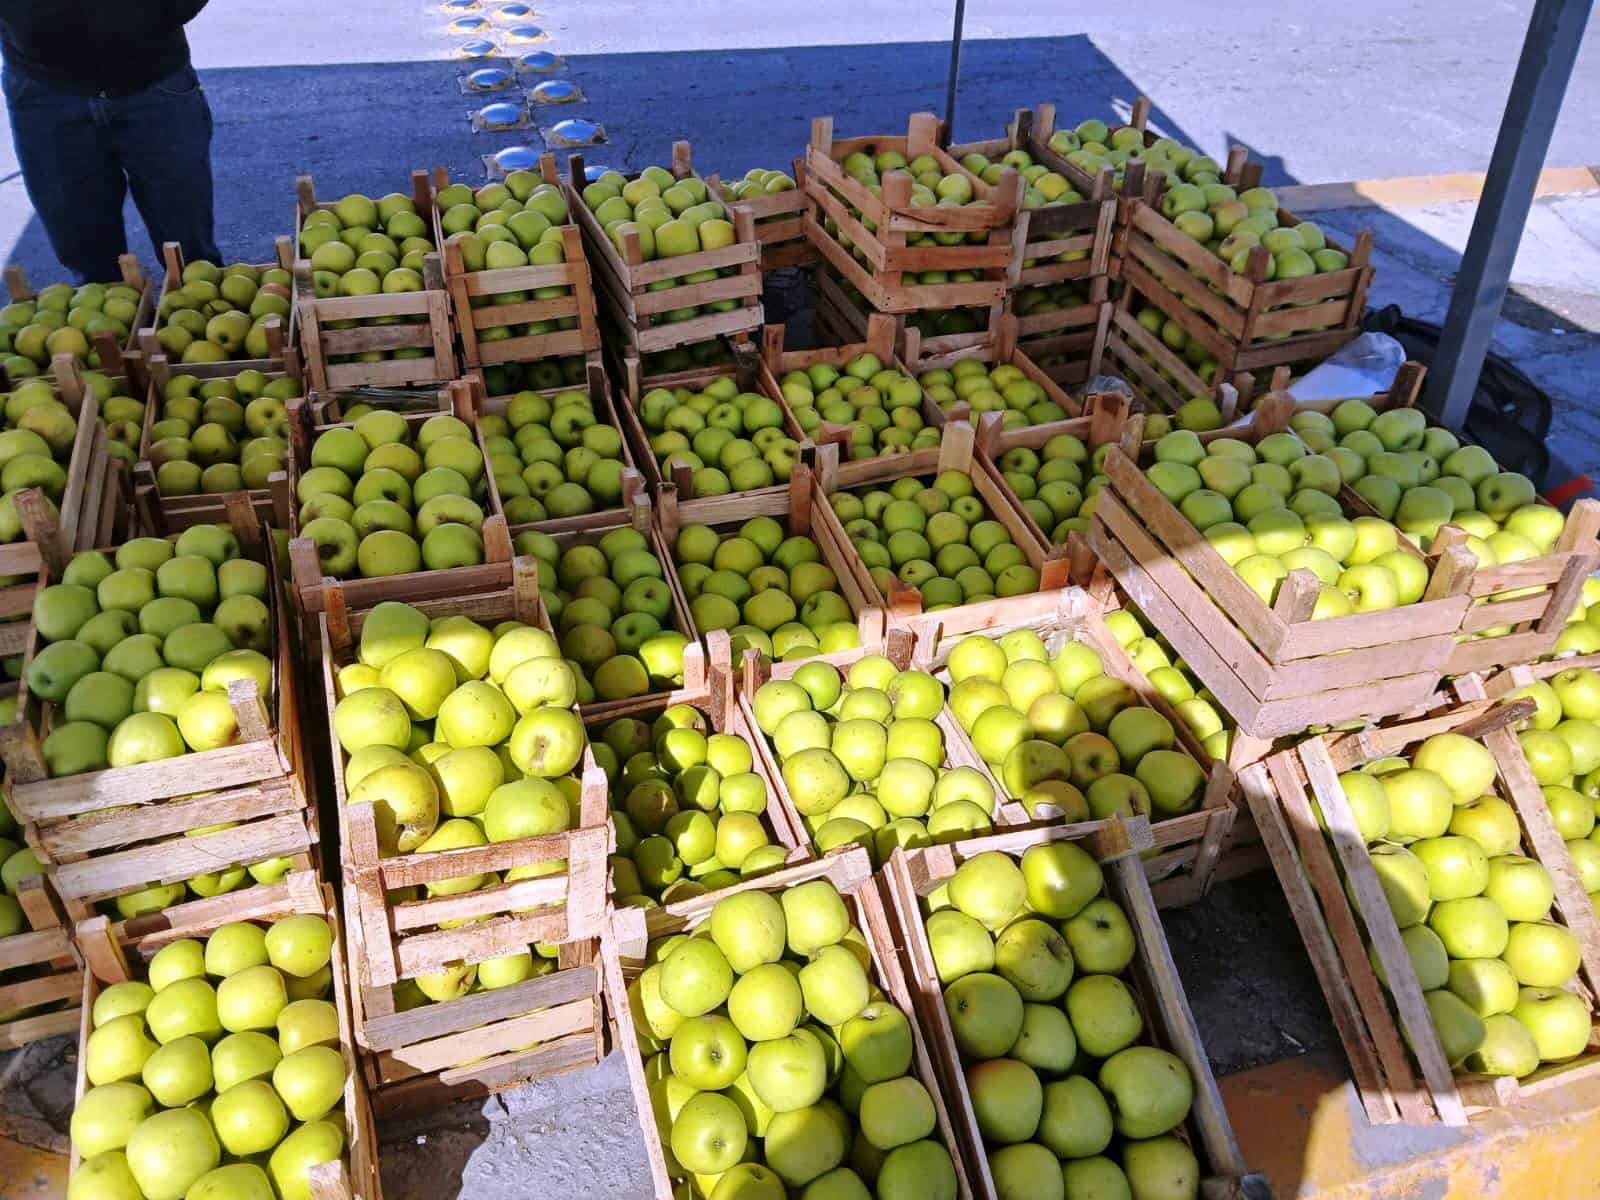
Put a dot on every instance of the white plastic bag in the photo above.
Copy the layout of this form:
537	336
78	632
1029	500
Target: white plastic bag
1361	367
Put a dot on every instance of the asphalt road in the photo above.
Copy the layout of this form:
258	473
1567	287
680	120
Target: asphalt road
359	93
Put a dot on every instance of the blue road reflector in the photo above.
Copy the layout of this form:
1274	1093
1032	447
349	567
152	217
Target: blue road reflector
489	79
555	91
469	25
526	33
575	131
538	61
501	115
477	48
458	6
513	12
517	158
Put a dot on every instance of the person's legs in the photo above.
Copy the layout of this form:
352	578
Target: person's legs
72	176
162	137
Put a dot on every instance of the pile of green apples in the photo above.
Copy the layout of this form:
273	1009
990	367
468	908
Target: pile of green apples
542	375
1422	478
35	447
1273	507
1001	388
1057	730
1230	224
1054	483
551	456
63	319
1177	684
379	500
1569	711
776	1066
936	536
1093	145
882	407
758	181
931	188
1042	188
687	805
361	246
140	649
504	225
1582	632
864	758
195	446
1473	911
217	1077
672	218
1070	1097
770	589
732	441
612	606
220	313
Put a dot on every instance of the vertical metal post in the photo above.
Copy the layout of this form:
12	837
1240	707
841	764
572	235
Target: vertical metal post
955	70
1548	53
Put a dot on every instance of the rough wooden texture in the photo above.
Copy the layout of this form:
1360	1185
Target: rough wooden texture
623	957
41	976
642	313
112	959
521	283
1338	904
1169	1023
412	321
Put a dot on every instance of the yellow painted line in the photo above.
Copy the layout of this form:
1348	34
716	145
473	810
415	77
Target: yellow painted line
1420	191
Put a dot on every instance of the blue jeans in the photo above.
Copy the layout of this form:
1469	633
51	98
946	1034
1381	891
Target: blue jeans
81	154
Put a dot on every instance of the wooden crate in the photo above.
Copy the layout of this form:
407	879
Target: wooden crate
711	693
1069	345
1084	226
780	224
878	233
878	338
623	951
843	315
487	1041
1186	847
794	506
18	289
1245	322
1300	808
466	286
1153	976
112	958
598	388
106	832
174	514
625	277
39	970
311	587
1274	669
387	321
281	332
955	452
1161	378
1000	345
635	385
633	376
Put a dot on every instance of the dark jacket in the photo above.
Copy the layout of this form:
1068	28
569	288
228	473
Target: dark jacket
95	47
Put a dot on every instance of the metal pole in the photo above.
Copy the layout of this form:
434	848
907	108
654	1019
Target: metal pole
955	69
1554	34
